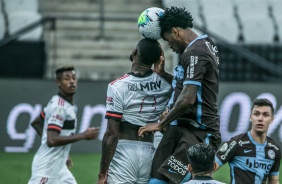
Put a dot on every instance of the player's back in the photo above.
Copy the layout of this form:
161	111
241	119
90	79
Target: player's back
143	98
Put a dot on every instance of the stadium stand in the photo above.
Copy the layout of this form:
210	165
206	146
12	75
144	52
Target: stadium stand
97	41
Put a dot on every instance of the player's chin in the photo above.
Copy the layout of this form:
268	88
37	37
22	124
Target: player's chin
72	92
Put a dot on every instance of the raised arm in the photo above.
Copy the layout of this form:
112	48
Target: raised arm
159	68
185	100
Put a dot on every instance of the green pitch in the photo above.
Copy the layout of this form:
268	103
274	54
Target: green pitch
16	168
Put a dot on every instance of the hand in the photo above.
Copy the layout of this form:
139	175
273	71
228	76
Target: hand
160	64
150	127
69	162
102	179
164	114
91	133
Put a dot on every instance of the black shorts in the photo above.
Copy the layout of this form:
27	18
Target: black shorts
170	160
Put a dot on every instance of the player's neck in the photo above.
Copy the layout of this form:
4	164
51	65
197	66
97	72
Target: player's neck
201	174
68	97
259	137
139	68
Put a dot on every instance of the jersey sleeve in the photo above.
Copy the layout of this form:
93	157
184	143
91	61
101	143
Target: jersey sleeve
226	152
274	171
196	68
114	105
58	115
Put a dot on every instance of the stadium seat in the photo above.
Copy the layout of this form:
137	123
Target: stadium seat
224	27
2	26
22	19
257	25
13	6
258	31
220	20
252	8
217	8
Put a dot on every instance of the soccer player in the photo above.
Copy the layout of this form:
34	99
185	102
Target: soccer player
201	164
134	100
193	112
253	156
49	163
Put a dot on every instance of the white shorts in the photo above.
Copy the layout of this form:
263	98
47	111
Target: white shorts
157	138
131	162
65	178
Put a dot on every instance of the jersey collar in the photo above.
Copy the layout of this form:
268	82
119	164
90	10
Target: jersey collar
254	142
64	97
146	74
202	178
198	38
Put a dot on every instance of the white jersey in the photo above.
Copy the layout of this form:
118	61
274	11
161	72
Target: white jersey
136	99
60	116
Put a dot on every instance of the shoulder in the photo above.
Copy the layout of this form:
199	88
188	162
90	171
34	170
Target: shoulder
271	143
158	77
121	79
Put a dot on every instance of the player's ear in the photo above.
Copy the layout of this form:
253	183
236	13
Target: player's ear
214	167
174	31
58	83
189	168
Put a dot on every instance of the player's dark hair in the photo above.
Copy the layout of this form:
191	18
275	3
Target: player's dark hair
175	17
201	157
62	69
263	102
149	51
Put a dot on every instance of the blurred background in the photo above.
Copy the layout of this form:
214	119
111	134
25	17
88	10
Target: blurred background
97	36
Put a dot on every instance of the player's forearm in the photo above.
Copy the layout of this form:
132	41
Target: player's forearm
54	139
108	149
167	76
183	102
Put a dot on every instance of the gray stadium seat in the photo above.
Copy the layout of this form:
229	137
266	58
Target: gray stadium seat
217	8
220	20
252	8
256	22
258	31
22	19
226	28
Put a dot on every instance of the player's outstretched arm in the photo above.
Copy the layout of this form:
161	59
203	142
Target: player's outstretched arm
109	145
55	139
38	124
